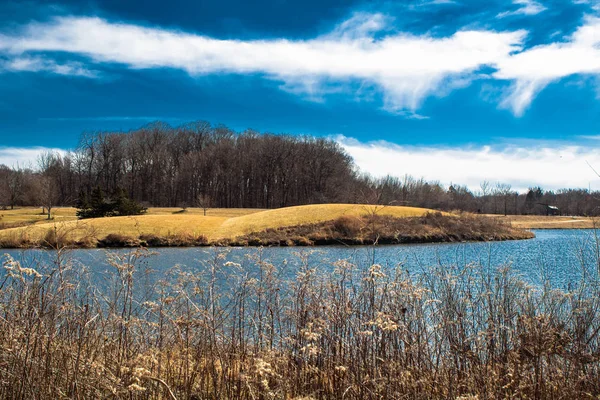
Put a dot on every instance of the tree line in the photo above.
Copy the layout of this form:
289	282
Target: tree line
200	165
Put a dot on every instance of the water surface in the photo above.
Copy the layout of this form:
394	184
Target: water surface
560	257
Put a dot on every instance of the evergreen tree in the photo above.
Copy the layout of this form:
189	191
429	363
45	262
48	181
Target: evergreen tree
83	205
122	205
98	206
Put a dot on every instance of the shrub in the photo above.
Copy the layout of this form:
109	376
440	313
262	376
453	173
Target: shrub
118	240
99	206
348	226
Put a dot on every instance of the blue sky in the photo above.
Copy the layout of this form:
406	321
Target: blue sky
498	90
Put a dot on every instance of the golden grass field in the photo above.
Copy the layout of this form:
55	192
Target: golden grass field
217	224
549	222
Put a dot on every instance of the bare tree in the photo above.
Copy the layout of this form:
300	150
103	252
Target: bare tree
485	189
504	190
204	201
12	184
166	166
47	193
4	188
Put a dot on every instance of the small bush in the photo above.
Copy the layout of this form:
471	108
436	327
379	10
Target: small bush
348	226
118	240
179	240
15	240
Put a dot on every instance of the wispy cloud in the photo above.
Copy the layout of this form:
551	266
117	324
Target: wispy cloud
525	7
532	70
40	64
593	4
550	166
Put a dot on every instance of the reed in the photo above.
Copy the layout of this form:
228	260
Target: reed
255	330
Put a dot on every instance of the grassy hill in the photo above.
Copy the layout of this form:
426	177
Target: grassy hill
189	226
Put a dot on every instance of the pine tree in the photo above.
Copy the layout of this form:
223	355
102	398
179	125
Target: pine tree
83	205
98	206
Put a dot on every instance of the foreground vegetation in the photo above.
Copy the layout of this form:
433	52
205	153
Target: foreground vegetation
321	331
302	225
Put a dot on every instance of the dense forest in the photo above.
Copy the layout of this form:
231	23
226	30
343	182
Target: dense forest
200	165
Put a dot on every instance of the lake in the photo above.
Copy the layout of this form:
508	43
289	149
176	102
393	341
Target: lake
559	257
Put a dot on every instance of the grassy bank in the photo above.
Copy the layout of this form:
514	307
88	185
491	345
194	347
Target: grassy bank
303	225
431	227
185	228
338	331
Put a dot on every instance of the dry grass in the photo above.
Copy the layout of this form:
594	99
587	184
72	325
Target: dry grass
32	215
211	212
228	331
386	229
311	214
548	222
219	224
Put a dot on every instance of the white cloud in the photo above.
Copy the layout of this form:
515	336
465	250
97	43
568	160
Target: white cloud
39	64
24	157
532	70
549	166
363	51
593	4
526	7
407	68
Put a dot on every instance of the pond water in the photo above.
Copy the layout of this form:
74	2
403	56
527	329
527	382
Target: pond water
557	256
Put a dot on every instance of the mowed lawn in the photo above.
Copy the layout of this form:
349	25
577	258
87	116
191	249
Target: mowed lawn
32	215
217	224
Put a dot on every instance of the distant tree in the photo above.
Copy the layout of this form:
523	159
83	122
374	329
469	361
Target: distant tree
485	190
99	206
122	205
83	205
204	201
82	200
48	194
163	166
533	197
12	184
94	207
461	198
4	191
504	191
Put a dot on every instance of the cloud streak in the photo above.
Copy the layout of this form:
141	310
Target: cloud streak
40	64
405	68
525	7
551	167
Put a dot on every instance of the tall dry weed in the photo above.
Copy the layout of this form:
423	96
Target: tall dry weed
255	330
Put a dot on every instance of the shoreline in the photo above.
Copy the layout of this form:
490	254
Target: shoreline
270	245
363	230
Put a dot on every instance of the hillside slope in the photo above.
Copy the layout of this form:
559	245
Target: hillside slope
193	227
